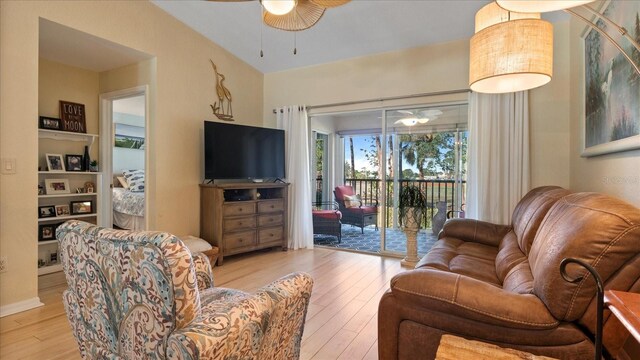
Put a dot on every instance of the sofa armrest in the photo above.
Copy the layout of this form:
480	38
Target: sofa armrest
204	274
466	297
475	231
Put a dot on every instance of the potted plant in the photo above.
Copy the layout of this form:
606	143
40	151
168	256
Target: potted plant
411	205
93	166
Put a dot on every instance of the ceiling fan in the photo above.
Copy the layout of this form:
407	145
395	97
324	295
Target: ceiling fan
413	117
293	15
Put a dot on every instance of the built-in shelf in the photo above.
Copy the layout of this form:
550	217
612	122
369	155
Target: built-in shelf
68	217
66	195
47	242
69	173
49	269
66	135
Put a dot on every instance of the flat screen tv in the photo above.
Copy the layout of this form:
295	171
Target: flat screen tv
242	152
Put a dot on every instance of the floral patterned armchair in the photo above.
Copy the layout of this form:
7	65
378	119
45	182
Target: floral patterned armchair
141	295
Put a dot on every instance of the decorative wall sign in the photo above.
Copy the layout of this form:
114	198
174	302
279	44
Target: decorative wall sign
73	117
612	87
221	108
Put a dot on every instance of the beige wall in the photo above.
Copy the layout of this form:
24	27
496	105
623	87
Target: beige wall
184	90
433	68
616	174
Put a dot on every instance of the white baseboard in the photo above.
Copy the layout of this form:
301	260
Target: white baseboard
20	306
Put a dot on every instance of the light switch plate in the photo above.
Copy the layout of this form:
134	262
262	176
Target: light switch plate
8	165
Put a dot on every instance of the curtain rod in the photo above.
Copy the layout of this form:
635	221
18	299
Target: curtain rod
448	92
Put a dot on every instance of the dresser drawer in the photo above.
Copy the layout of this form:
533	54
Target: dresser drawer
270	235
239	240
268	220
270	206
241	223
239	209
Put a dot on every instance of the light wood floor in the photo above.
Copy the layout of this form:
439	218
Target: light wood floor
341	322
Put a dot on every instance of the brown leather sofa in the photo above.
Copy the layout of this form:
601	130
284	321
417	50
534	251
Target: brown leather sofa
502	284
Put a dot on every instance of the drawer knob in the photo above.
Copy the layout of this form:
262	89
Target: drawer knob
271	220
240	210
272	206
240	223
271	234
240	240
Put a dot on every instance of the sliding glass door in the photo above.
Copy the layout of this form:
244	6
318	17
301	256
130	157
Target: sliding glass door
426	148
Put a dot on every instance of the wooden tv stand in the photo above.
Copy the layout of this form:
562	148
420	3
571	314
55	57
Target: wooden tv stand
242	217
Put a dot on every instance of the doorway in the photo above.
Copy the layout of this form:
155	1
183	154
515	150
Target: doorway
124	121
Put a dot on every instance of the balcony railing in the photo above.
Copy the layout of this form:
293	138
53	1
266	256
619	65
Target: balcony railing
434	190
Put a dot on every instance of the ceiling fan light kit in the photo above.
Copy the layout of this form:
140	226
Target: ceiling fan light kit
278	7
510	51
303	16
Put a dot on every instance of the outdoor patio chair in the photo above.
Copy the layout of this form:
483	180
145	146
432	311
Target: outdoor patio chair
360	216
326	219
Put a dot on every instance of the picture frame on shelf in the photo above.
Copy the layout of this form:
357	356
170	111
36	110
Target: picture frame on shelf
81	207
46	211
55	163
73	162
47	232
57	186
63	210
89	187
49	123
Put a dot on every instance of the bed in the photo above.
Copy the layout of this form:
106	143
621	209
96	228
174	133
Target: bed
128	209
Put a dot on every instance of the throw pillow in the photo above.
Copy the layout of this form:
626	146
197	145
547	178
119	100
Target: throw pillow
351	201
135	179
123	182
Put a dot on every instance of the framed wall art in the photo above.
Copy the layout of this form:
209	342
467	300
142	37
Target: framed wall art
612	87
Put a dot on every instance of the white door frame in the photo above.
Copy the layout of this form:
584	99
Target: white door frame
106	148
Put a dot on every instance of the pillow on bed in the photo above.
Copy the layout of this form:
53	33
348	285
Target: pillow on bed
135	179
123	182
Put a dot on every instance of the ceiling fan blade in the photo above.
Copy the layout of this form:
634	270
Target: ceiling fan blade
408	112
231	0
431	113
329	3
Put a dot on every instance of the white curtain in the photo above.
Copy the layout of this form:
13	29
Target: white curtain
294	121
498	157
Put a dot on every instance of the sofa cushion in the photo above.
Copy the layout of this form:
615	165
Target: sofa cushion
341	191
465	258
602	231
512	266
327	214
530	211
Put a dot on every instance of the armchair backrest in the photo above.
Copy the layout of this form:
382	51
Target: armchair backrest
341	191
602	231
127	290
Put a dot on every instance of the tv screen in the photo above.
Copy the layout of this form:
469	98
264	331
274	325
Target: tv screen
242	152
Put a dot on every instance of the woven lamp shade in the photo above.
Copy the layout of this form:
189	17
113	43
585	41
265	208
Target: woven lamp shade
329	3
509	56
303	16
538	6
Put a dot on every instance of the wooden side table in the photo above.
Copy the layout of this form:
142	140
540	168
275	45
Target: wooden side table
626	307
